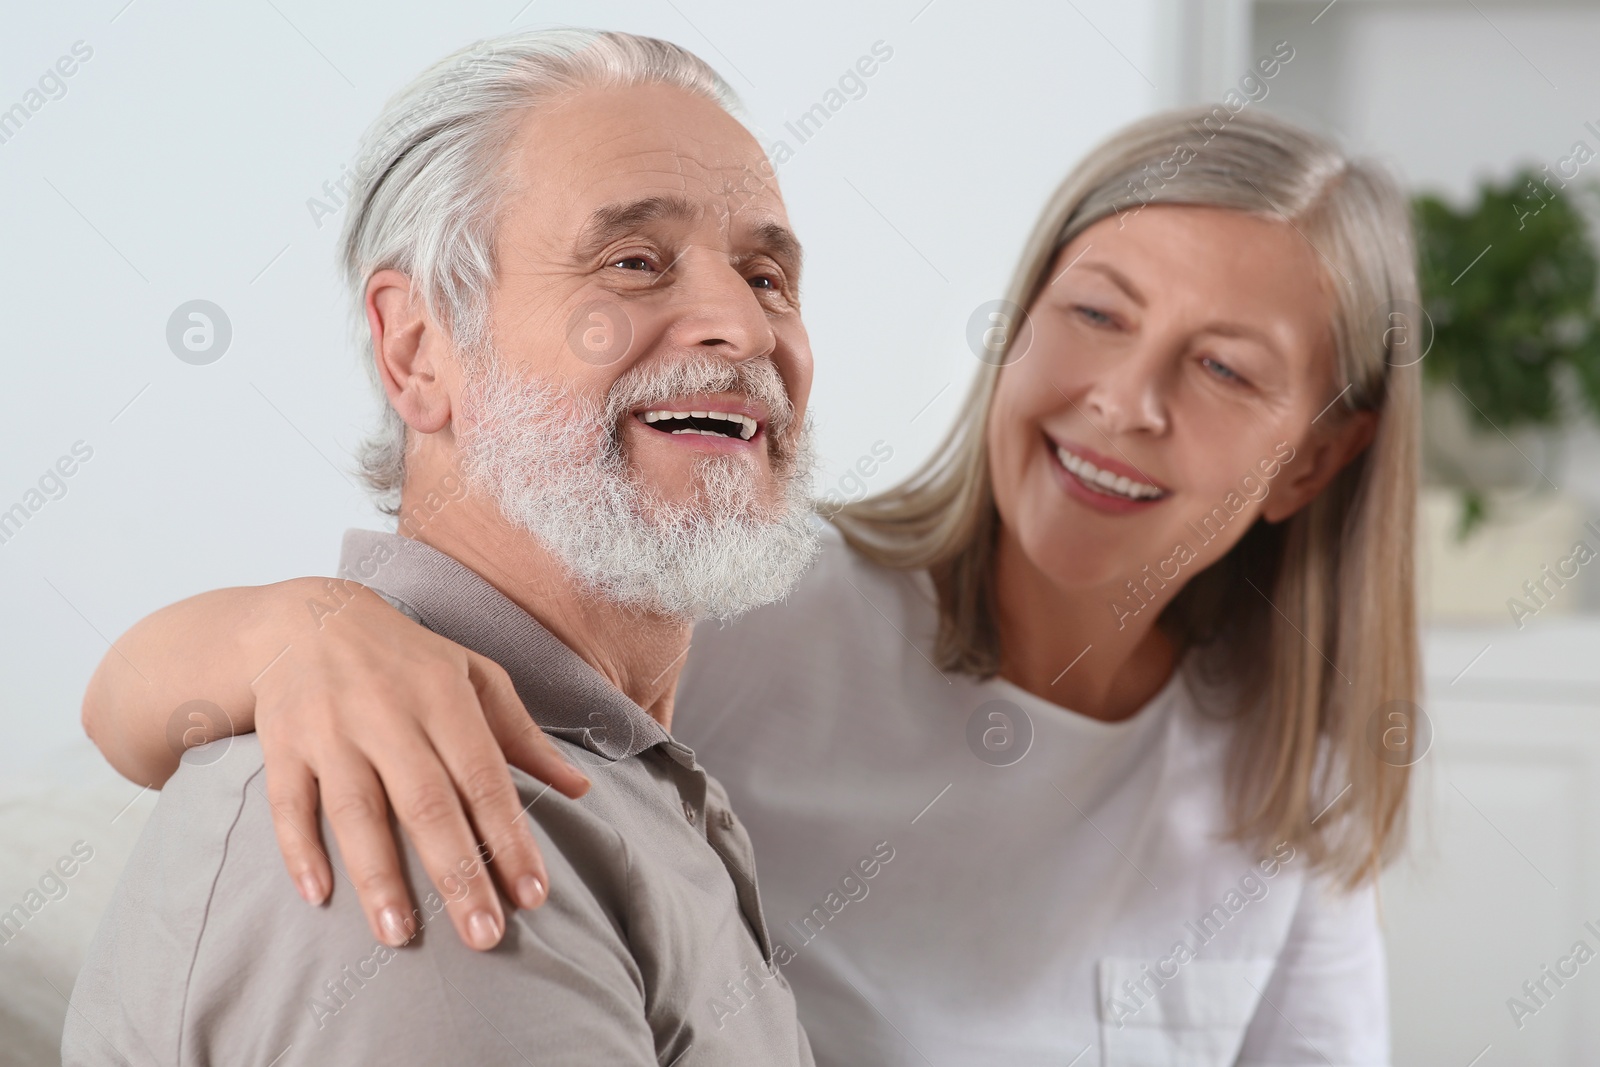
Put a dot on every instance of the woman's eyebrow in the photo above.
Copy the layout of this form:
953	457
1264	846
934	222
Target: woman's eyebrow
1243	331
1219	327
1119	279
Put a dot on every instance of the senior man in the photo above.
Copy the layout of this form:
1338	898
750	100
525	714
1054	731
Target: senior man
576	296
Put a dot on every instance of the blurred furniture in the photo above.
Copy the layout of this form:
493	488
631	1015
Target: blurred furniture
46	918
1503	871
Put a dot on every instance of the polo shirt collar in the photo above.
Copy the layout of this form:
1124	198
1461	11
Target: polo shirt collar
565	696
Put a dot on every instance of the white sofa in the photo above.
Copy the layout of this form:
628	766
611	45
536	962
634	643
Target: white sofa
66	807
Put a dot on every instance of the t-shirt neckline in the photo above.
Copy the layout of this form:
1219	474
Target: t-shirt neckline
1148	712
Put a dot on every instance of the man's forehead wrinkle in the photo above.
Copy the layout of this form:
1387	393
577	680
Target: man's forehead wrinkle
677	157
704	155
583	191
724	219
768	234
724	152
644	162
725	140
620	135
691	167
615	153
637	150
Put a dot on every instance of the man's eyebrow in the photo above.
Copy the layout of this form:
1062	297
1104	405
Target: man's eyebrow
779	242
609	221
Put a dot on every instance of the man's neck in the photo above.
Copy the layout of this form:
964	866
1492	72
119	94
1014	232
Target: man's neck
640	654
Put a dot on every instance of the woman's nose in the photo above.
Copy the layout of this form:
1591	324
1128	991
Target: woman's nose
1129	397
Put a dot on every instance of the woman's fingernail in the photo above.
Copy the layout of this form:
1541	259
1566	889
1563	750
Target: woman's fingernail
311	888
394	926
483	929
530	891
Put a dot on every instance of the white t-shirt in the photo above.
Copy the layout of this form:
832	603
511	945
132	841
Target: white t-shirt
942	901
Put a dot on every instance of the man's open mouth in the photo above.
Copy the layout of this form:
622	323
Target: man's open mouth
705	423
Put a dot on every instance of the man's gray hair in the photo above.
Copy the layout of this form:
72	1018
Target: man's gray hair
432	173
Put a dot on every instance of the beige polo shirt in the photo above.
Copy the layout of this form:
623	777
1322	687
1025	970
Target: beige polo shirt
651	949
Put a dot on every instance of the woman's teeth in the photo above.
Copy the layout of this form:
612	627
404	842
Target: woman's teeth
1105	481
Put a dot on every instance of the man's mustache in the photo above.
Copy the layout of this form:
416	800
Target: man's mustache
656	381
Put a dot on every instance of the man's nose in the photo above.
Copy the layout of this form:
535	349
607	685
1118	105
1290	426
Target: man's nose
717	309
1130	394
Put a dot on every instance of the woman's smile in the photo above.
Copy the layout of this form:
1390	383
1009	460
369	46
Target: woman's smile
1104	483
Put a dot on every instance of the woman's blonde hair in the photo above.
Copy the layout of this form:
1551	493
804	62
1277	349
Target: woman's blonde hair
1309	625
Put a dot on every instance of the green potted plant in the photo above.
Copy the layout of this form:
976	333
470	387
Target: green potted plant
1510	286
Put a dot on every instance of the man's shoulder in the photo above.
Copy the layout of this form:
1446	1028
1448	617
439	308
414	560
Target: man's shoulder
208	954
132	992
190	837
219	825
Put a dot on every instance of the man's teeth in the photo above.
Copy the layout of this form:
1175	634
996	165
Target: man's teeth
743	425
1105	481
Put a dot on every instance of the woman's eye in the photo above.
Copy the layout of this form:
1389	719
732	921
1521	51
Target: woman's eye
1221	370
1095	316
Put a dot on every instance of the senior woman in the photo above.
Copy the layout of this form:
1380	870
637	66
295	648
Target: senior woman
1067	741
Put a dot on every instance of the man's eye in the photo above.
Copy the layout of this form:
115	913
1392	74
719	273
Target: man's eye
764	281
632	263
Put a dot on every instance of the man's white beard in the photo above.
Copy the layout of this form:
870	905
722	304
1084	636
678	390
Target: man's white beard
553	462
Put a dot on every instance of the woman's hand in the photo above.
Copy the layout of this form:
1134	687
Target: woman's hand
359	708
369	709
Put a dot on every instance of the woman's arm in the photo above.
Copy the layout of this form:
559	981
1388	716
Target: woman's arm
357	709
1328	998
193	650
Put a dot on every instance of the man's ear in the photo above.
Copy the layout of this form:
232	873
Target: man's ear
1323	456
410	352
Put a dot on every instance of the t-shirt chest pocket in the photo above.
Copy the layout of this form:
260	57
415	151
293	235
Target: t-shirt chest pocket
1191	1014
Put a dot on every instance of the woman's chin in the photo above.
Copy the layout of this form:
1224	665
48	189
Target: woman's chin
1080	566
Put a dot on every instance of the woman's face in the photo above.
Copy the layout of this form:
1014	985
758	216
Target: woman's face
1185	355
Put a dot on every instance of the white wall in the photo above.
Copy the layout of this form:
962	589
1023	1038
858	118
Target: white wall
1453	95
178	166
